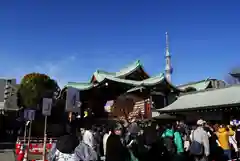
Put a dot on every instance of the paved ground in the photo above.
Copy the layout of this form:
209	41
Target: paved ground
7	155
7	151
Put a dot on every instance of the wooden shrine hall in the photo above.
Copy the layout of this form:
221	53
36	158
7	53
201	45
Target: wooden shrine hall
131	91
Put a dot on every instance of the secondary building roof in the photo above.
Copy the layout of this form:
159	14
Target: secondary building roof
203	84
235	72
206	99
200	85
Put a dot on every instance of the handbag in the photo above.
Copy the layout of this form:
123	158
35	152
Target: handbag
132	157
195	148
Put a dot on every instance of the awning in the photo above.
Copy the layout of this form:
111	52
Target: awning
222	97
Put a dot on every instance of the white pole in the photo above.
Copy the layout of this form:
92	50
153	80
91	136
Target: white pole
45	139
28	144
25	134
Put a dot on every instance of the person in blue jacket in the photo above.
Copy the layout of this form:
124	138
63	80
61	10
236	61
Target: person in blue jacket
170	132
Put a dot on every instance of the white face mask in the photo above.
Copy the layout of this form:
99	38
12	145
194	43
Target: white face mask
118	132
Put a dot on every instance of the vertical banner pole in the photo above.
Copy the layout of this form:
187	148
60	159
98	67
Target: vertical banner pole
45	139
29	138
150	106
46	111
28	115
25	134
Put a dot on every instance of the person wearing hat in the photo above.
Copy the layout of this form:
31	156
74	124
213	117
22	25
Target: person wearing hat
199	147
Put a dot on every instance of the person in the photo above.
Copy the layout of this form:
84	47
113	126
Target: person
223	135
115	150
199	147
183	128
65	146
233	141
84	152
173	142
150	134
215	149
88	137
97	140
105	137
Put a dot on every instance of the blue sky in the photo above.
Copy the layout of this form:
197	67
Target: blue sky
69	40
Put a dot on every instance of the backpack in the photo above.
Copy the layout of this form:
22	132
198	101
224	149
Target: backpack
195	148
169	144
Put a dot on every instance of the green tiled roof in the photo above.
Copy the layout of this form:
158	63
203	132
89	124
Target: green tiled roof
103	77
235	72
200	85
81	86
123	72
129	69
147	82
205	99
136	89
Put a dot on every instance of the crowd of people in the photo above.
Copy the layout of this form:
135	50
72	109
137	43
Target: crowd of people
149	141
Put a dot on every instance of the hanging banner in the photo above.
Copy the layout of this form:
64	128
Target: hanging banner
29	115
148	108
73	100
47	106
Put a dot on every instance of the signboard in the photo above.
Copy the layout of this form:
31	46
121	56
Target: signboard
47	106
108	106
29	115
73	100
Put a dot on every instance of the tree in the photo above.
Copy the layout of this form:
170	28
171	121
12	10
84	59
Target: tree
34	87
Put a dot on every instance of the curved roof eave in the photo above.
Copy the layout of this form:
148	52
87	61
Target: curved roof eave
123	72
80	86
130	69
173	86
147	82
102	78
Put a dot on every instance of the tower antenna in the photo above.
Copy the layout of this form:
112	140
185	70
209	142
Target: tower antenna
168	67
